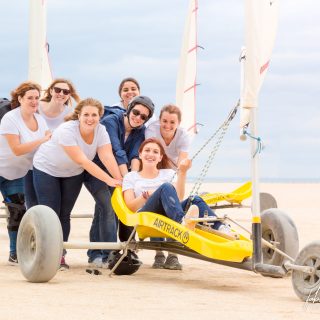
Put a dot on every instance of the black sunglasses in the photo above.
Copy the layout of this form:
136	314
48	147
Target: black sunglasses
58	90
137	113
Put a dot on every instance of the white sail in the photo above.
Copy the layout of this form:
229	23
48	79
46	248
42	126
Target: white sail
39	66
261	17
186	80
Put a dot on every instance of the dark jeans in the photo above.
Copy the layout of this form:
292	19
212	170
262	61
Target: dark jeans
8	188
104	225
165	201
29	190
58	193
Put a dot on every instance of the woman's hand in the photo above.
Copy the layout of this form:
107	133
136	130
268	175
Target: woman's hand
47	136
114	182
184	165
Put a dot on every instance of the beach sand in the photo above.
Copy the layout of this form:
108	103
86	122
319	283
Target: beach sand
201	290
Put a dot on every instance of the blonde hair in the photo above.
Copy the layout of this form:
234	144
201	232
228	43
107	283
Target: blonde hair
84	103
21	90
73	93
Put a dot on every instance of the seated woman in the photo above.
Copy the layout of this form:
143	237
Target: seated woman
176	143
150	188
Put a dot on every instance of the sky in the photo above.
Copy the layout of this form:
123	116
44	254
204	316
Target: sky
97	43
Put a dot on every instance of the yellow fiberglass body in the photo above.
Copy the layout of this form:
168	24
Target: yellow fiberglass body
205	243
236	196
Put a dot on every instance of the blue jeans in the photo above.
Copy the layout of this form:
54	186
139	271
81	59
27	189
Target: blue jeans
104	226
29	191
60	194
8	188
165	201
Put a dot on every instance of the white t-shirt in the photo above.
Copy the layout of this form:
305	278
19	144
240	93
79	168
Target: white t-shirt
133	180
12	166
180	143
51	157
54	122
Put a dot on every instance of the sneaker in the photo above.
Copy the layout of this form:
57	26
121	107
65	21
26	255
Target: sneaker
159	260
226	229
63	264
193	212
96	262
172	263
13	260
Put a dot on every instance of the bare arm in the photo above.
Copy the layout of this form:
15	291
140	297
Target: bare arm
182	155
19	148
106	156
77	155
184	166
135	165
132	202
123	169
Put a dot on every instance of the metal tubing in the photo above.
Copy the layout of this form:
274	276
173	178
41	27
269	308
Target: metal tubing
95	245
304	269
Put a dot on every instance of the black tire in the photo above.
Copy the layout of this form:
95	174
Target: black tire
307	286
278	227
39	244
267	201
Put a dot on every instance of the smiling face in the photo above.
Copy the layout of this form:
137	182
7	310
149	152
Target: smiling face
89	117
128	91
169	122
138	115
150	155
60	93
30	101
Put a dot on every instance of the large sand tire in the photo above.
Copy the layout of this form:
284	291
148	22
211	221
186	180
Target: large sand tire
39	244
278	227
267	201
307	286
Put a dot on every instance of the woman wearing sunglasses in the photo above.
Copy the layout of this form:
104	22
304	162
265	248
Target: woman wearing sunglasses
57	102
22	131
59	164
126	131
176	143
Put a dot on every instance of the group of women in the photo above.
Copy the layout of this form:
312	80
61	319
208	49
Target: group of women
48	150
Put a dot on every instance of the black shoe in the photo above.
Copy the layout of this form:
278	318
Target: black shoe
13	260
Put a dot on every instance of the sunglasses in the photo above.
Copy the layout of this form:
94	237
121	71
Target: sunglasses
137	113
58	90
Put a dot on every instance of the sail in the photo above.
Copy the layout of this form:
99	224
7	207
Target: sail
261	19
39	66
186	80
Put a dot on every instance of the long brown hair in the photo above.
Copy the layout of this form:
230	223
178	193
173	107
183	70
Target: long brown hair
73	93
21	90
165	163
83	103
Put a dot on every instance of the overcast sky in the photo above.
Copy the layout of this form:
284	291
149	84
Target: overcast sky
97	43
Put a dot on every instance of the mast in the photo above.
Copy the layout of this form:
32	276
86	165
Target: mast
260	30
186	80
39	66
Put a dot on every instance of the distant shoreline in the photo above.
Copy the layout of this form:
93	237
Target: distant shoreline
262	180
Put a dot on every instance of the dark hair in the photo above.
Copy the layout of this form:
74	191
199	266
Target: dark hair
73	93
171	108
21	90
127	80
84	103
165	163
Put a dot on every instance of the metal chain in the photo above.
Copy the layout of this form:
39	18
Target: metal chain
222	129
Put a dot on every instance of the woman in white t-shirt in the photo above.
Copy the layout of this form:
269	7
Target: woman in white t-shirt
150	188
22	131
176	143
57	102
59	164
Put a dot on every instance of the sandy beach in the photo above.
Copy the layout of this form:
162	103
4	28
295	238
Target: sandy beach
201	290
